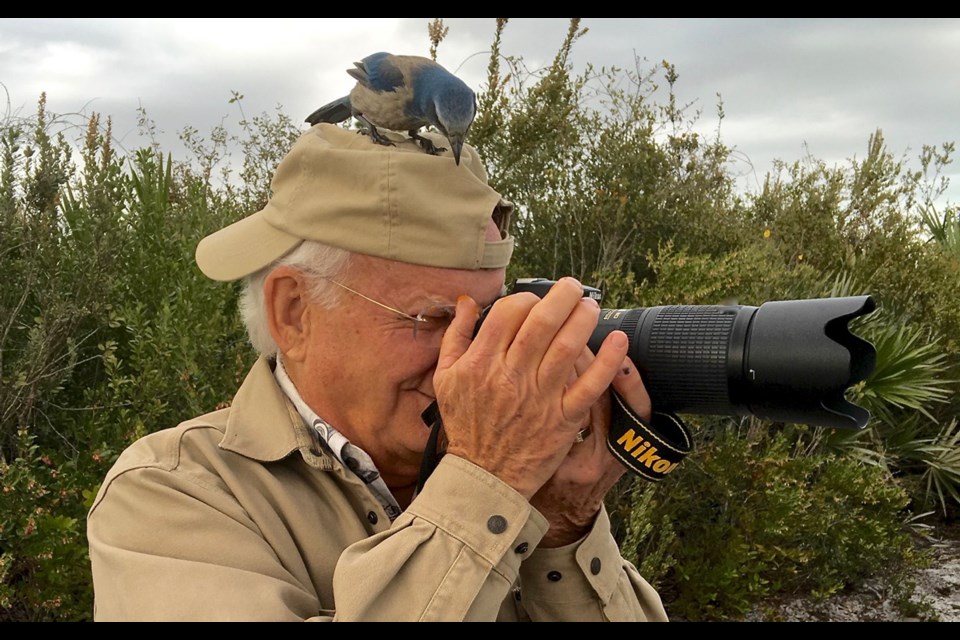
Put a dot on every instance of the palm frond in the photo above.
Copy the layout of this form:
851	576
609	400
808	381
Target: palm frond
942	476
943	229
908	373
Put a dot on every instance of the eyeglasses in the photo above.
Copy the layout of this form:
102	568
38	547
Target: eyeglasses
428	325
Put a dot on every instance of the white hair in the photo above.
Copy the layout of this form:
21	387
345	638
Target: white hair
318	261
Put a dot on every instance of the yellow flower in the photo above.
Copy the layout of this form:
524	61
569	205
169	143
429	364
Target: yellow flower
767	233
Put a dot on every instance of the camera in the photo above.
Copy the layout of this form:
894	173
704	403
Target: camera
784	361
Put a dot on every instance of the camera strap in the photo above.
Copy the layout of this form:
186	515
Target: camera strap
433	453
651	449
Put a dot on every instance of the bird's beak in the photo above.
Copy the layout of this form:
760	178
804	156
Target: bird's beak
456	145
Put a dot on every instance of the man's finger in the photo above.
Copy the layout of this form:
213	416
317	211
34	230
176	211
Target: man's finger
595	380
459	335
583	361
569	342
545	323
629	385
501	325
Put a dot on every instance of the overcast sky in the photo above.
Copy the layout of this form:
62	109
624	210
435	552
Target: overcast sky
789	86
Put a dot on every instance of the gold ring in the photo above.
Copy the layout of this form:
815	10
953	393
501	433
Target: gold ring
582	434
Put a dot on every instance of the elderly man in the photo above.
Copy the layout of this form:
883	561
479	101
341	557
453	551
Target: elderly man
365	275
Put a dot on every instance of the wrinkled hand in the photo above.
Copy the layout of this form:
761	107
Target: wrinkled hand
572	497
513	398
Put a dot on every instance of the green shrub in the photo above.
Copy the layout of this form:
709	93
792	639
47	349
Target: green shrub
747	520
109	332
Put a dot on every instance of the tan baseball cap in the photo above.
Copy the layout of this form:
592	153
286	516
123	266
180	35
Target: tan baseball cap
340	188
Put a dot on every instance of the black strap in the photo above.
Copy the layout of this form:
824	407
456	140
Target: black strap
649	449
432	454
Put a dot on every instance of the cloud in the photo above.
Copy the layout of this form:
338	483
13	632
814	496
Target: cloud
826	83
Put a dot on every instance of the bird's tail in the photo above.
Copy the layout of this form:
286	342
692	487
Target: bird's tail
334	112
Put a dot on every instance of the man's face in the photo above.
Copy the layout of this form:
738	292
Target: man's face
364	372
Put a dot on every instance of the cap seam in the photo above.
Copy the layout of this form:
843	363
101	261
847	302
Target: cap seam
301	182
392	202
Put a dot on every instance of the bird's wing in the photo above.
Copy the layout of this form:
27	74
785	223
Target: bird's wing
378	72
334	112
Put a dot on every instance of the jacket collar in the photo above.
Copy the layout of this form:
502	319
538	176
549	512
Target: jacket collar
264	425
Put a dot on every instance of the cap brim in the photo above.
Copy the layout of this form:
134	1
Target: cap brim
243	248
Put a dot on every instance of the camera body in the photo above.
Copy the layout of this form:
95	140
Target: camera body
785	361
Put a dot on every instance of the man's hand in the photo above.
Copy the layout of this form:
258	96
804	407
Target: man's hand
572	497
513	398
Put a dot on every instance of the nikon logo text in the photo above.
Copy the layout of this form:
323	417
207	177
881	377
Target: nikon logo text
645	453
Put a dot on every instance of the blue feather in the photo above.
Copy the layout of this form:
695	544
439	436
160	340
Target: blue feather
405	93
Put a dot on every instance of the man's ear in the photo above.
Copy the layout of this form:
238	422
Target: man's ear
285	296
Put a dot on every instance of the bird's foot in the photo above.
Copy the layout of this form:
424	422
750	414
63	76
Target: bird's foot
427	144
378	137
371	131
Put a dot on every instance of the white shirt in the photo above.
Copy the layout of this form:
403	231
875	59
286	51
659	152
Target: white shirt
351	456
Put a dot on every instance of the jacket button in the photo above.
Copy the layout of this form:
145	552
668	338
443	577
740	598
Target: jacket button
522	548
554	576
497	524
372	518
595	566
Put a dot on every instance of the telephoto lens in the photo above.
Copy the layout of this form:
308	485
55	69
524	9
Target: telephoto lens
785	361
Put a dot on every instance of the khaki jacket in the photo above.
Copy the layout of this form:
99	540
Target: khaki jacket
241	515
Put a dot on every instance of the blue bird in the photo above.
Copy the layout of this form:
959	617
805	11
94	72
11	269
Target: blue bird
405	93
